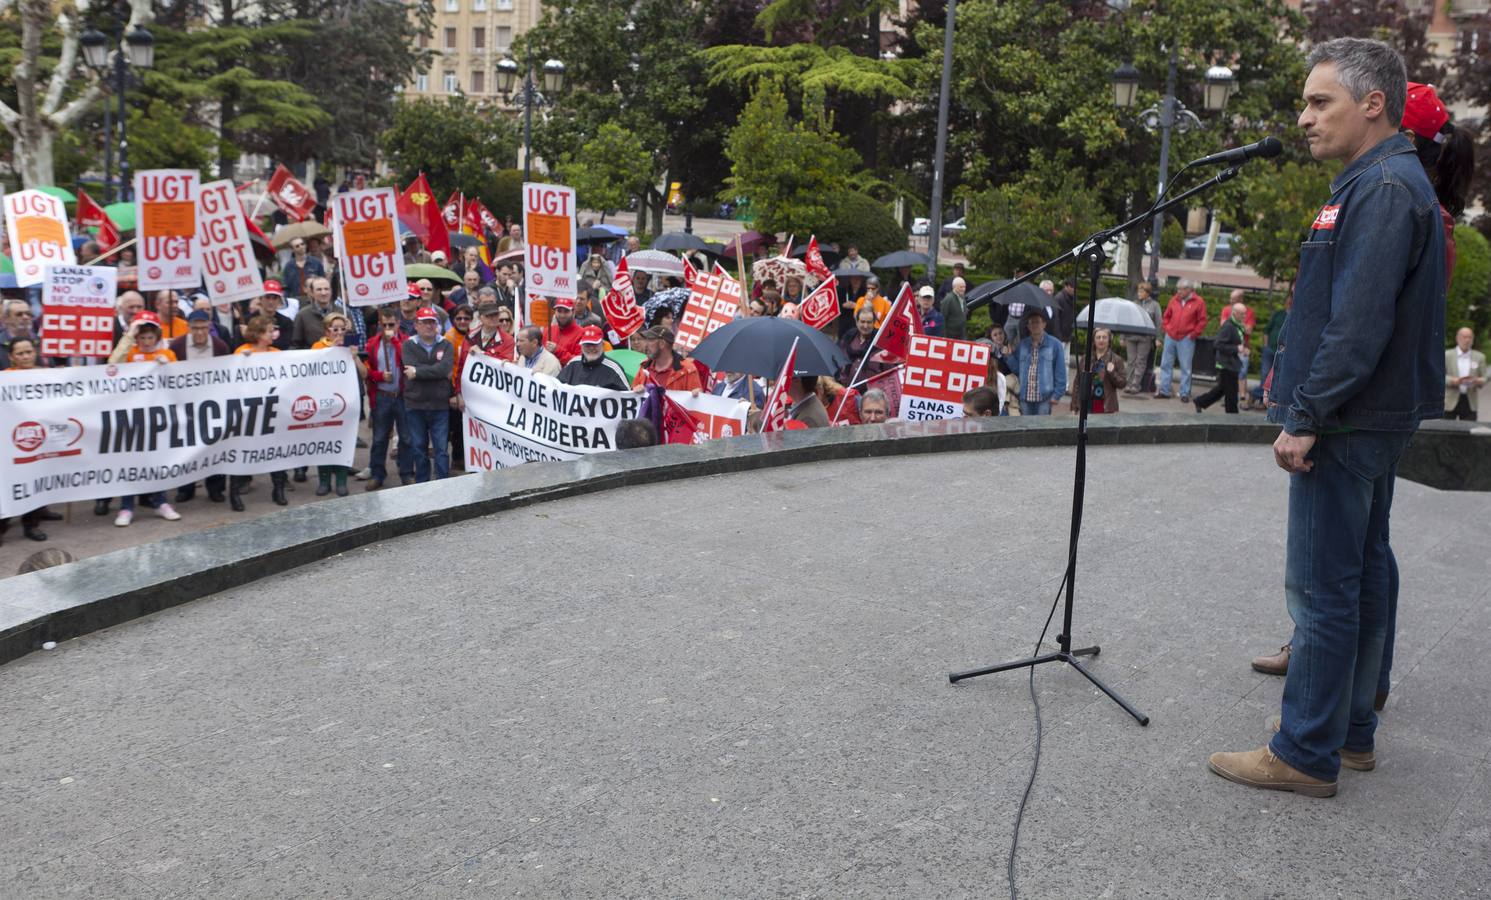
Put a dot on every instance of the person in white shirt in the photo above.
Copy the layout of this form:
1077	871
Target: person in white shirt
1464	376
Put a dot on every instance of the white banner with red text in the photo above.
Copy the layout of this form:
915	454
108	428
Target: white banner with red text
514	415
939	371
549	236
36	227
367	244
77	311
90	432
166	228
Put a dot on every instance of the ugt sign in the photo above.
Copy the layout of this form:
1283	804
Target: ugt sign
549	233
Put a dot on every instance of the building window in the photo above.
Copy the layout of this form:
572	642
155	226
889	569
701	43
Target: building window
424	41
505	4
451	84
479	5
452	5
478	82
422	84
450	39
504	37
478	39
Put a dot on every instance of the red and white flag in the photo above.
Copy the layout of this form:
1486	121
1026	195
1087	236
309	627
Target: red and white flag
689	273
620	306
774	414
821	307
292	197
813	259
900	324
451	212
91	215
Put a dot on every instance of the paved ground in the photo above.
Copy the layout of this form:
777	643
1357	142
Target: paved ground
735	687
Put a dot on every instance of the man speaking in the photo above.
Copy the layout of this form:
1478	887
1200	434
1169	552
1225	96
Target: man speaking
1361	364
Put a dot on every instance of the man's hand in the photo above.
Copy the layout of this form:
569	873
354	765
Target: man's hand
408	371
1291	451
551	347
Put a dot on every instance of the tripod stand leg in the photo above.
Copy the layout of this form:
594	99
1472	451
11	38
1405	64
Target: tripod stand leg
1139	717
955	677
1088	651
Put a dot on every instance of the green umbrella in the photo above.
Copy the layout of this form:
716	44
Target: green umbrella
6	266
122	214
629	360
63	194
426	270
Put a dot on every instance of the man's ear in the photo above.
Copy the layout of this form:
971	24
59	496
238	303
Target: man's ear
1374	105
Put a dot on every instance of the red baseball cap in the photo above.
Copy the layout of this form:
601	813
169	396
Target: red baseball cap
1424	113
274	287
147	318
591	334
426	312
415	293
564	303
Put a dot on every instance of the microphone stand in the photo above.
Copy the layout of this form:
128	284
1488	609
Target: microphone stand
1092	251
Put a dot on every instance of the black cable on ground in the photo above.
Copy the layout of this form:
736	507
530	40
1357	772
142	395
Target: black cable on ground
1035	764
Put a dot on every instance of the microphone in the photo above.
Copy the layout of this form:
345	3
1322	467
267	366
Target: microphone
1267	148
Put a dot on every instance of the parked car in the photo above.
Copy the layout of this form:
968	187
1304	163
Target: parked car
1226	251
955	227
919	226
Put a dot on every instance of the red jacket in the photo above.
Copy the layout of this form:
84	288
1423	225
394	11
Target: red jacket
566	341
376	373
1185	316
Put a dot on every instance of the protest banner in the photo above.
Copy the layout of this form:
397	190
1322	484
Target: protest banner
292	197
367	244
89	432
166	226
91	215
36	225
624	317
549	233
77	311
938	372
514	415
820	308
223	250
714	300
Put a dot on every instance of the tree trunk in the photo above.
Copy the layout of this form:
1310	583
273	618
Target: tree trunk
35	159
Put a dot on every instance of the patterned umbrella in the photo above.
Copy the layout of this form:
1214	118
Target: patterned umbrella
778	268
673	298
655	261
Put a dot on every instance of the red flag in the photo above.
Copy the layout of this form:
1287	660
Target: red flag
418	211
821	307
263	249
689	273
484	216
900	323
774	414
471	219
91	215
813	259
477	223
620	306
451	212
292	197
679	426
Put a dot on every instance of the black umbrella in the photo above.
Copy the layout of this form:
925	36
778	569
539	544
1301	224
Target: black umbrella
759	346
460	241
829	252
1024	292
845	271
596	236
902	258
679	240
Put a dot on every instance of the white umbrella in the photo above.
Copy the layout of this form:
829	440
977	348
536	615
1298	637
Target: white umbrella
656	262
1119	315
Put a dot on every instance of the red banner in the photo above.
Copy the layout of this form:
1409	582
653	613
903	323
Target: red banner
623	314
900	323
451	212
418	210
813	259
939	371
713	301
293	198
91	215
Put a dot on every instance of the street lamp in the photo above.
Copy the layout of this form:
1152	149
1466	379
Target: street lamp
1169	114
507	78
135	50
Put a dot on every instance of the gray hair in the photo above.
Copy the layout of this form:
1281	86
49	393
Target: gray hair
1184	284
1364	66
487	290
877	395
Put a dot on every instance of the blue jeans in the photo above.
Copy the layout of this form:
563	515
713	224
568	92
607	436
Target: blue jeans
1265	364
388	414
154	500
1337	577
1184	351
1039	408
429	432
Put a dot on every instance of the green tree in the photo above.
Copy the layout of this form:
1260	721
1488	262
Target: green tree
786	168
1025	222
160	137
1469	303
457	145
859	219
609	170
1282	202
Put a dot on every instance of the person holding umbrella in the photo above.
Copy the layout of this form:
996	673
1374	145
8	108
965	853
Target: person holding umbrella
1140	347
1040	364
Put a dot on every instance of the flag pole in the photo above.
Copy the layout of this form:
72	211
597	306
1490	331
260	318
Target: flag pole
111	251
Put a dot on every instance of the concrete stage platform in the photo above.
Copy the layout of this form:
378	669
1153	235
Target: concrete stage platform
735	686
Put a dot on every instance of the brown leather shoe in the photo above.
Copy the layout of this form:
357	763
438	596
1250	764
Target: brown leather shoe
1359	760
1262	769
1274	664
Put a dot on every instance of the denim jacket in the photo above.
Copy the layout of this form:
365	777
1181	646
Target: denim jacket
1052	366
1364	345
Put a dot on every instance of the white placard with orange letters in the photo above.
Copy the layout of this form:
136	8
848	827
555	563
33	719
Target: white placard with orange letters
549	236
36	224
166	227
88	432
224	253
367	242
